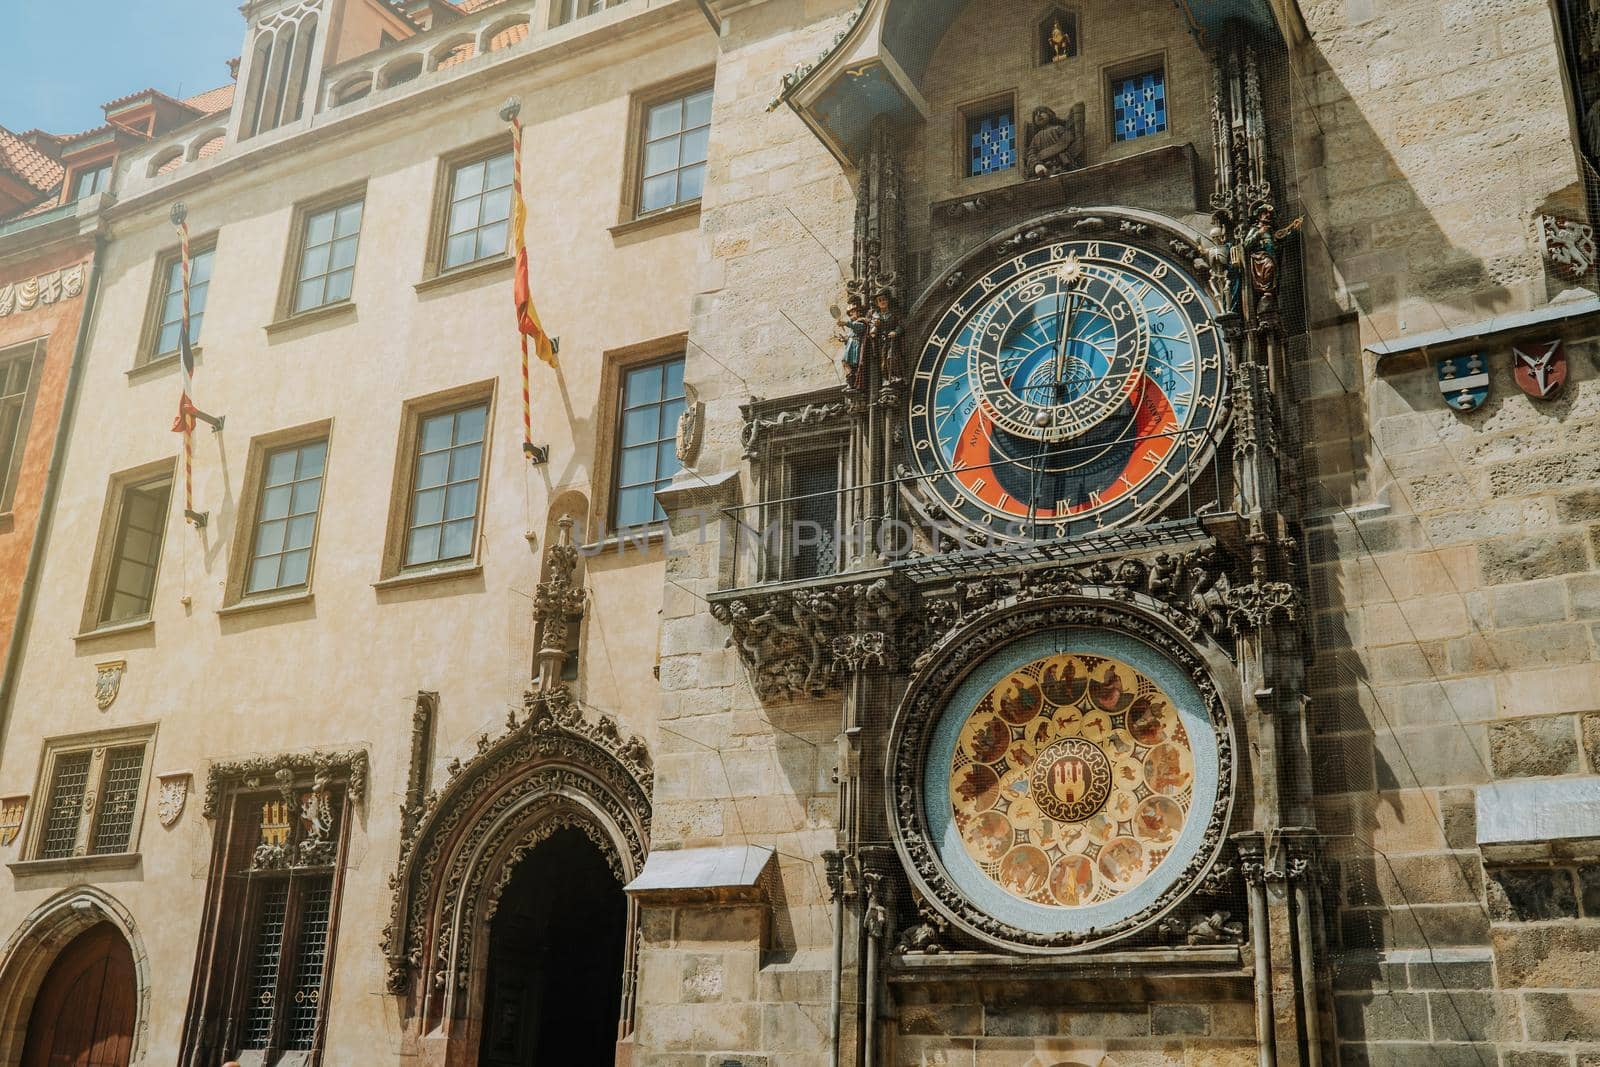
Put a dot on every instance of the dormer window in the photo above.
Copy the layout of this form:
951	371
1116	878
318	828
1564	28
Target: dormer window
91	180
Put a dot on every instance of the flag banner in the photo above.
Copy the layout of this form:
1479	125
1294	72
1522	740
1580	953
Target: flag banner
185	421
528	324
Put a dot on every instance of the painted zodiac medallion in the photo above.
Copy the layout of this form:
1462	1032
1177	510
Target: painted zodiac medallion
1071	780
1074	783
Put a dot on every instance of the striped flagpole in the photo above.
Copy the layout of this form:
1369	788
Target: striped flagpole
528	324
188	414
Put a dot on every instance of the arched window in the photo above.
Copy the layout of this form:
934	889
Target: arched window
280	71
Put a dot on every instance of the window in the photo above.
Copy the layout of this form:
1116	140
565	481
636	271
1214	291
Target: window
811	534
19	371
991	140
91	180
136	554
443	517
477	219
647	456
95	795
270	929
327	256
1139	104
169	305
673	154
571	10
286	518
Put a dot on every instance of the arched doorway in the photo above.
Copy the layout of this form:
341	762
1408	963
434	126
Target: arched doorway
556	947
83	1014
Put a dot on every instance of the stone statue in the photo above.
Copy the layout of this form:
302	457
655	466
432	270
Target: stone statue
1054	145
852	332
1260	249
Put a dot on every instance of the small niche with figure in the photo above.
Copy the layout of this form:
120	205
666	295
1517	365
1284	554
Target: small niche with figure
1058	36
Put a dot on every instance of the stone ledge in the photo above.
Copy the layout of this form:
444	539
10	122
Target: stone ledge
1209	962
104	862
1521	820
324	313
734	874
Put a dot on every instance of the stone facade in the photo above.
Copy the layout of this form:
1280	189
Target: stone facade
1388	608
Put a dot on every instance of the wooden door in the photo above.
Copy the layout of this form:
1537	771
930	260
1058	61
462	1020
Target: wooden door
83	1013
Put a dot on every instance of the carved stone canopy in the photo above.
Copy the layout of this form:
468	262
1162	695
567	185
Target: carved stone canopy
284	769
974	636
554	769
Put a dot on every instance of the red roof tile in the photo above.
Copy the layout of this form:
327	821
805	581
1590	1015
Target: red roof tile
469	6
28	163
212	100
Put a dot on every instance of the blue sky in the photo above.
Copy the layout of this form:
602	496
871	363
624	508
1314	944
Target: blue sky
64	58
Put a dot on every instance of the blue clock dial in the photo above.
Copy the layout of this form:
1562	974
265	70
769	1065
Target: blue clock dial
1070	388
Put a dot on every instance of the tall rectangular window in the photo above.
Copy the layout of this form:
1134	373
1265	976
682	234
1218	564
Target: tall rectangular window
170	314
286	518
647	457
328	256
443	515
95	795
91	180
477	219
16	386
1139	104
572	10
676	135
136	551
813	532
270	928
991	140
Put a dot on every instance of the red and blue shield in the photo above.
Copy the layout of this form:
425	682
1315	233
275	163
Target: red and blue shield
1540	368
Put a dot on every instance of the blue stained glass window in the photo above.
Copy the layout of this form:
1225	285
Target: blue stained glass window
991	142
1139	105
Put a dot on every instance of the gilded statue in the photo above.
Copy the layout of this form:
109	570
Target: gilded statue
1060	42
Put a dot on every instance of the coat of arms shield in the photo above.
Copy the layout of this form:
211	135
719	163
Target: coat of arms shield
1464	381
1540	368
108	682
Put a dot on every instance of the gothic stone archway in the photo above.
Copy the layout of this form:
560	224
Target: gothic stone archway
551	771
40	940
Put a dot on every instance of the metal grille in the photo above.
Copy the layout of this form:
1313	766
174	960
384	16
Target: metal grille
66	805
119	797
309	967
263	977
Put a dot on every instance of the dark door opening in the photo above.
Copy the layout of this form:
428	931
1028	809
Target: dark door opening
83	1013
556	959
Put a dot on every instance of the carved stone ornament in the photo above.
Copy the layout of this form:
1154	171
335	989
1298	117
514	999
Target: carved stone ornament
802	417
1568	246
799	643
554	769
41	291
945	668
108	682
173	792
284	769
691	427
11	811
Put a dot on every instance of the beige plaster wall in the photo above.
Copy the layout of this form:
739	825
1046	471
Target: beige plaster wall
340	672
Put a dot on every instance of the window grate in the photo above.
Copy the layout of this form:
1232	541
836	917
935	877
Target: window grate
67	786
263	976
313	956
991	142
1139	105
119	797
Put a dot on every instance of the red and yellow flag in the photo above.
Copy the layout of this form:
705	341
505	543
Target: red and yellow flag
528	324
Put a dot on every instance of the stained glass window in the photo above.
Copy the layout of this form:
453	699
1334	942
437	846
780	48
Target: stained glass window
1139	105
991	141
652	400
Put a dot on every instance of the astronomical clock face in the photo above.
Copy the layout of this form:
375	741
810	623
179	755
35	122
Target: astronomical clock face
1072	785
1069	389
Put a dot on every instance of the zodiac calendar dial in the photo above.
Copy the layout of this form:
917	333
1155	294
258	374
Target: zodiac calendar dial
1071	780
1071	388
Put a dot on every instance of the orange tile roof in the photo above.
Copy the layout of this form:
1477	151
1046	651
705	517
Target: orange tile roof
212	100
469	6
508	37
28	163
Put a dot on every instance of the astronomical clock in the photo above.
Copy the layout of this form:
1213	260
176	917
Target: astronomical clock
1062	765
